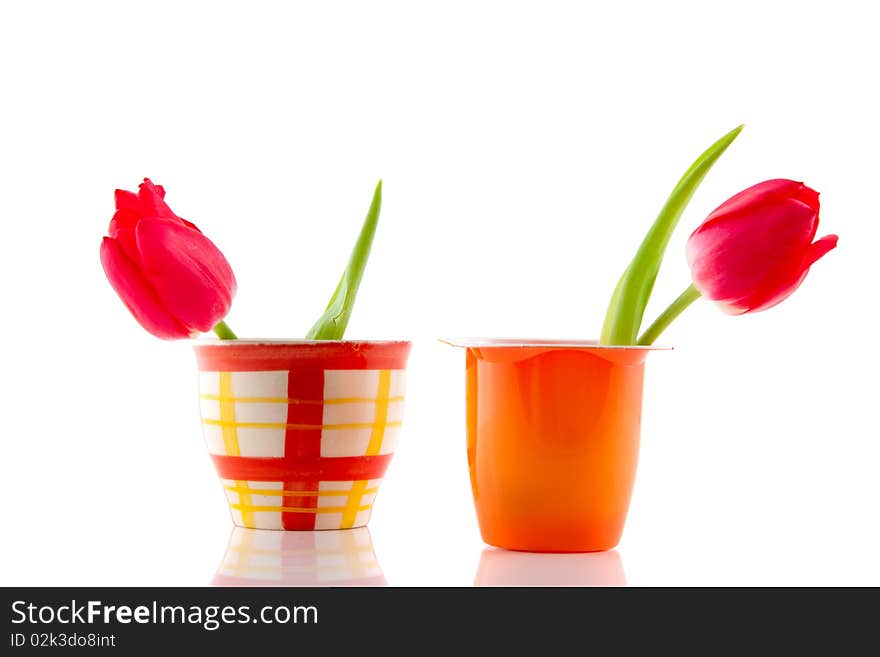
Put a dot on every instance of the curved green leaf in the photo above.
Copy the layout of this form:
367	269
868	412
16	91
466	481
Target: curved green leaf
332	324
627	306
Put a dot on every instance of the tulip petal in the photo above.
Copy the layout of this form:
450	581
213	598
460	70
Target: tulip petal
747	251
137	294
765	298
121	229
126	200
819	248
191	276
149	201
764	193
777	285
131	208
152	198
781	291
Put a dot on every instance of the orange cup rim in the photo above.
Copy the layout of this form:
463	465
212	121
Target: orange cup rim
485	343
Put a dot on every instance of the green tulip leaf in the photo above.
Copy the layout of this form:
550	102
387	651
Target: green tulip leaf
627	306
332	324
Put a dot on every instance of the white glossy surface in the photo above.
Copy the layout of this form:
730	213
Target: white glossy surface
524	150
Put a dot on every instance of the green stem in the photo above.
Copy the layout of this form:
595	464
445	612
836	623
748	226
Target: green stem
224	332
675	309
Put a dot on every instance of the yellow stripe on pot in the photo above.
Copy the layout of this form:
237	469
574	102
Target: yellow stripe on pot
381	420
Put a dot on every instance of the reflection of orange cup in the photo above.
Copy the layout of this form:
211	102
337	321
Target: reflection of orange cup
553	441
506	568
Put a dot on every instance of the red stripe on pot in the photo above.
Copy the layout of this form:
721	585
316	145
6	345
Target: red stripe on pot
340	468
308	386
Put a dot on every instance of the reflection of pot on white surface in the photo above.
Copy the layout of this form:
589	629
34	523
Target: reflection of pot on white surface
256	557
505	568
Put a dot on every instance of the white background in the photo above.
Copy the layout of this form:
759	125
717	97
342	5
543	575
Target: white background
525	148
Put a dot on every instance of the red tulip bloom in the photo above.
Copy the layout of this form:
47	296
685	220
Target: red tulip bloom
171	277
756	248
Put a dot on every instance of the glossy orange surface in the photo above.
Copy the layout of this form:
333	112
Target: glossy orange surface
553	443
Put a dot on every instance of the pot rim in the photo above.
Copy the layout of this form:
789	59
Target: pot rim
217	342
487	343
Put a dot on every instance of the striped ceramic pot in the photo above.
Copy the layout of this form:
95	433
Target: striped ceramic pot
301	432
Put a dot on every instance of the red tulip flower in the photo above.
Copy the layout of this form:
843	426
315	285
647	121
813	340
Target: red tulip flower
756	248
171	277
752	252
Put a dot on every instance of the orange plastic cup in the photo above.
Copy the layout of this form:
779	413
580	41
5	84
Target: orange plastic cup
552	441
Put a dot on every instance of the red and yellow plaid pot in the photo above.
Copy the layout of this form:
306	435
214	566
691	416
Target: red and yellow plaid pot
301	433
